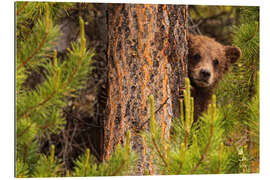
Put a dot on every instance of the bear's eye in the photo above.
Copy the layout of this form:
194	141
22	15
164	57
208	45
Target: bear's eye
215	62
197	57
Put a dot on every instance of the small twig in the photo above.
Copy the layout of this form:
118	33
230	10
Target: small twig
191	22
76	118
73	133
159	153
160	107
64	150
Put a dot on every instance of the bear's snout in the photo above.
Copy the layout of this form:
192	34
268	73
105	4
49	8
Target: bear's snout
205	74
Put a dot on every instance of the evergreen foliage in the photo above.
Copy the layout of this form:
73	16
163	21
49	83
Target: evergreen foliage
39	110
202	147
190	149
122	162
238	93
48	166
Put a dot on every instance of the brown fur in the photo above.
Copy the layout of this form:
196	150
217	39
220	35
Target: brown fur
208	60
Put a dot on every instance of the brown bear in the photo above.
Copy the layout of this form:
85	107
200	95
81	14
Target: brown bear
208	60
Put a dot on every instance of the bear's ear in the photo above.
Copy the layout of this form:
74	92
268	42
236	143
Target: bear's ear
232	53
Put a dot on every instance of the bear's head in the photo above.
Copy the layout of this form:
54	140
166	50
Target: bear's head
208	60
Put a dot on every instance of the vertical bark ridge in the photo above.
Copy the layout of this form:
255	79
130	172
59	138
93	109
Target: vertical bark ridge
110	126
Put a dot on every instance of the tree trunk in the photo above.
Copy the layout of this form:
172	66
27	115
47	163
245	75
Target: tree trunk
147	52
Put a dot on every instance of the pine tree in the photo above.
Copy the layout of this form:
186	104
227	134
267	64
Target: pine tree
238	93
191	149
122	162
39	109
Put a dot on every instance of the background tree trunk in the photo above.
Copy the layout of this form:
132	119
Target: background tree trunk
147	52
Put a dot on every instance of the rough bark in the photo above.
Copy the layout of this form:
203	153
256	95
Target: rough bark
147	52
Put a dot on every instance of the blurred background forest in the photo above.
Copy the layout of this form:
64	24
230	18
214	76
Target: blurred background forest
215	21
60	89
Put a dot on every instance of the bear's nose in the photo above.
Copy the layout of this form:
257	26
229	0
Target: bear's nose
205	74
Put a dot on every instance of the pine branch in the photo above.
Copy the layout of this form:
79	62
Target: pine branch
42	43
25	130
220	153
86	161
212	110
153	128
159	153
183	154
38	110
119	168
73	73
126	154
203	156
30	110
82	53
21	8
189	110
160	107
